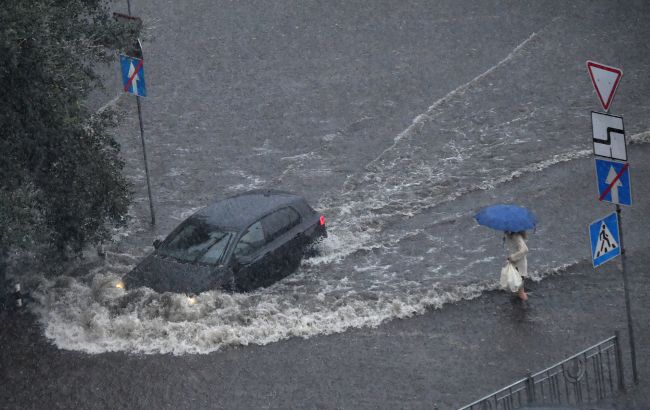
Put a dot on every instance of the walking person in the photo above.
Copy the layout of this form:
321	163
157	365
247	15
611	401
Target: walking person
514	221
516	242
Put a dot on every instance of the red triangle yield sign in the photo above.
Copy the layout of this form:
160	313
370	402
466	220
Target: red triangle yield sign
605	80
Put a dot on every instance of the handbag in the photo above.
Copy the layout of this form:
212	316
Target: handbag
510	278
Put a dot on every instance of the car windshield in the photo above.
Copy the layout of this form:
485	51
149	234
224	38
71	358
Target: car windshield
196	241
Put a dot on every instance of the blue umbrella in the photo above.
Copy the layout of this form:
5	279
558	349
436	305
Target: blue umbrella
508	218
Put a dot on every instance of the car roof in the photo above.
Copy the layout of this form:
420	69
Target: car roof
239	211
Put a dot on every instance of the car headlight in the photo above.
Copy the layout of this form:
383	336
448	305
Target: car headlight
120	284
191	300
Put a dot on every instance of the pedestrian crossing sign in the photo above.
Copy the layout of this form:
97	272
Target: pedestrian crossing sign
605	239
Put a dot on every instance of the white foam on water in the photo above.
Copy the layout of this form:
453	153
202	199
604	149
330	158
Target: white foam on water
640	138
253	182
174	172
339	244
356	226
331	137
265	149
131	227
91	315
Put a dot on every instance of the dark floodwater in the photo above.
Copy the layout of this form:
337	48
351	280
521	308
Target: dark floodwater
397	120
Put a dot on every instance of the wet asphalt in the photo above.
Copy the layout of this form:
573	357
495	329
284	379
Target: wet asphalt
444	358
367	90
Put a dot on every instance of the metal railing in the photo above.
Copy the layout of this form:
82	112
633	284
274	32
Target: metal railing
588	376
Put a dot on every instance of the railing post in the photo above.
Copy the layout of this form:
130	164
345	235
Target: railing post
530	388
619	362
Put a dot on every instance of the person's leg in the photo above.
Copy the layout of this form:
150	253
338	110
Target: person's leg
522	293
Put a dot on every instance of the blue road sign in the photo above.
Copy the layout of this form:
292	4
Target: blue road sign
605	239
133	75
614	181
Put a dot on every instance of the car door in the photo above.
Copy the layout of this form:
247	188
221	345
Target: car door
251	258
285	242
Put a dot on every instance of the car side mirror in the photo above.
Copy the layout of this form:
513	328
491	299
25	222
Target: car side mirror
156	243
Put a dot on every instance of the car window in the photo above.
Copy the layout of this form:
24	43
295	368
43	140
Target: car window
280	222
252	240
214	254
196	241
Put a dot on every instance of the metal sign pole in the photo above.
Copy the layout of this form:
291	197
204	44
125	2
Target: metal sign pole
138	50
605	80
630	328
146	167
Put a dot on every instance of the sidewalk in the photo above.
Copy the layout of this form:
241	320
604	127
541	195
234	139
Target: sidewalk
598	300
636	398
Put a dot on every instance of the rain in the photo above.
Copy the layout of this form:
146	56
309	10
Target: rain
301	187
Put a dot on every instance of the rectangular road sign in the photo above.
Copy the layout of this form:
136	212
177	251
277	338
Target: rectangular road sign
608	136
133	75
605	240
614	182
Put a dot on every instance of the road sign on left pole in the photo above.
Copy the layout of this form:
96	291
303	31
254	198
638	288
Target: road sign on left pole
133	82
132	67
133	75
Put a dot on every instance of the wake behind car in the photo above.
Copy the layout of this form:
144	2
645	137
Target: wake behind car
239	243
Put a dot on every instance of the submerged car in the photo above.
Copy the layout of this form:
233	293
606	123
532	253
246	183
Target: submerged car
240	243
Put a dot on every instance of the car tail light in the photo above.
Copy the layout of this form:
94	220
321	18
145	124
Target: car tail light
322	220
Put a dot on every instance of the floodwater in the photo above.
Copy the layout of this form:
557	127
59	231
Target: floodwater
397	120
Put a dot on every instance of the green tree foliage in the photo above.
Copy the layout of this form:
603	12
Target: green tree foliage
61	180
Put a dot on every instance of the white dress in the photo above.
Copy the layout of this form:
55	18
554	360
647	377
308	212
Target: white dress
518	249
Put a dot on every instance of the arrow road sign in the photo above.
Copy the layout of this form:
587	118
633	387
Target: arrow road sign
609	136
605	239
614	182
605	80
133	75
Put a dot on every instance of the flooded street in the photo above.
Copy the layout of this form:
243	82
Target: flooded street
396	120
